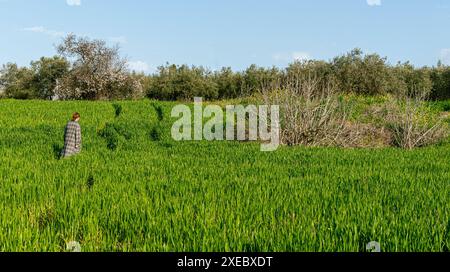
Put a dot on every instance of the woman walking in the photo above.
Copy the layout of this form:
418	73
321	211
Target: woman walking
72	137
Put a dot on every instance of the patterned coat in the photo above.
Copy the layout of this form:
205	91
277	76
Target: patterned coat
72	139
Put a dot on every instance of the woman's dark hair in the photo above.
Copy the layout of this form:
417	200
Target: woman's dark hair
75	116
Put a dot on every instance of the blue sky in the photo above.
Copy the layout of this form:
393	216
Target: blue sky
235	33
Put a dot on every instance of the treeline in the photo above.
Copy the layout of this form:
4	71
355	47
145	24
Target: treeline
35	82
354	72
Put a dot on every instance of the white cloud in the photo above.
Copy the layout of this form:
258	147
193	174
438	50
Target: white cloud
374	2
138	66
445	56
294	56
73	2
43	30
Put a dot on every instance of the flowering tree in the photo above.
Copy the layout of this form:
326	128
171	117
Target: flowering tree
97	71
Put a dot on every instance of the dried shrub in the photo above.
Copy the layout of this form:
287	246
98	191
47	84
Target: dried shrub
363	135
412	123
312	114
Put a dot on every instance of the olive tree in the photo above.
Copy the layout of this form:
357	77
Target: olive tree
46	72
16	82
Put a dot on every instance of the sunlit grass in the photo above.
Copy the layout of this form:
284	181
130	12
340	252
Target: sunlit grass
155	194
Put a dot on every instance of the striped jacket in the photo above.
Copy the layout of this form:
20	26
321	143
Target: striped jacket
72	139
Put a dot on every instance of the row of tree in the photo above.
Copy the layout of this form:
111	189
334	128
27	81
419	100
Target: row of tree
354	72
89	69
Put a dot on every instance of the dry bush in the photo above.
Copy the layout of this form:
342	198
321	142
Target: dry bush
412	123
364	135
311	114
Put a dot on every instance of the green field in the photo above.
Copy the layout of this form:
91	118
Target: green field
154	194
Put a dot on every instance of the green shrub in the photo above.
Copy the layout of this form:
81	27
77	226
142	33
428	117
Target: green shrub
155	133
361	74
90	182
117	109
111	136
159	111
440	77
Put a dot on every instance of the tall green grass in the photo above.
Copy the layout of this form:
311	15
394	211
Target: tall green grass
154	194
